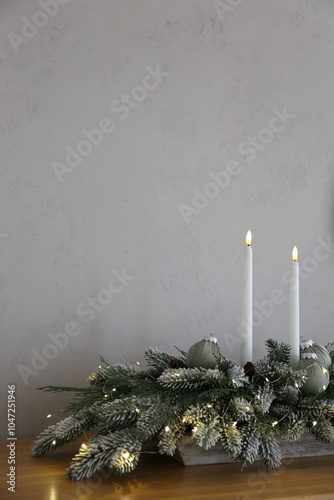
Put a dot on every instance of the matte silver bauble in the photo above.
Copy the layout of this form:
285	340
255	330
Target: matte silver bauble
204	353
317	375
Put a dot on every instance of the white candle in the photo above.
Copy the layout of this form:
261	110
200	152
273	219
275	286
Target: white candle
294	309
247	305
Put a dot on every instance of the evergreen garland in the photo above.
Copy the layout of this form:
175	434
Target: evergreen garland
244	410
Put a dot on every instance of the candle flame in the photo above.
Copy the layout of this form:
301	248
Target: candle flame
249	238
295	253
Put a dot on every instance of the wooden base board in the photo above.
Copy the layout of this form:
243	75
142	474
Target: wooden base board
189	453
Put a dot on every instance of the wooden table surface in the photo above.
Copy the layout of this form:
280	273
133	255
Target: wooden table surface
161	478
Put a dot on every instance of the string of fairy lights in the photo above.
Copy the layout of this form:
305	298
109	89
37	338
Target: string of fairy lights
126	455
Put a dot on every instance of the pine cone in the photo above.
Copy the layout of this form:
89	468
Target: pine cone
249	369
176	363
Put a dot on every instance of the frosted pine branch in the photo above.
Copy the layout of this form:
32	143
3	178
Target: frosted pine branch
237	376
231	438
270	452
190	378
243	409
249	445
322	430
207	434
150	421
168	438
63	432
157	359
294	427
100	451
264	398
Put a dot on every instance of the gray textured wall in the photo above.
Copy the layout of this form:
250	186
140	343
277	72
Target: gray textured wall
183	91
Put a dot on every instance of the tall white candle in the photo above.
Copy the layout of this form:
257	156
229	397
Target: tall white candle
247	305
294	309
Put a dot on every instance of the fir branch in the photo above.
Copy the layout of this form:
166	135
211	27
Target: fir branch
98	378
157	359
288	396
250	445
84	397
224	364
218	396
270	452
129	369
330	349
242	409
60	389
236	376
63	432
293	427
190	378
120	413
278	352
125	460
197	413
281	375
44	442
314	409
207	434
264	398
100	452
231	438
206	422
329	392
150	421
169	437
322	429
183	356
